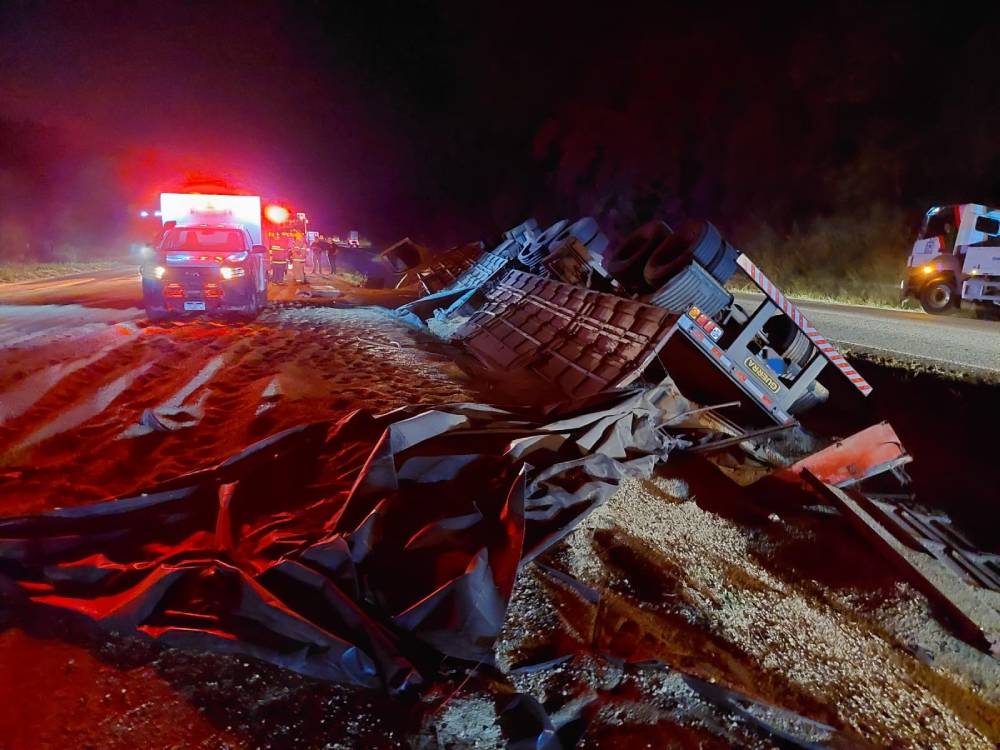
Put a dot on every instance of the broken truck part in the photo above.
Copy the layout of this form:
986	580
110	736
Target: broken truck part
874	450
581	341
445	269
915	567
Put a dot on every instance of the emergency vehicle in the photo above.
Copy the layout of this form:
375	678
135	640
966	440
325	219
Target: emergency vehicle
955	260
208	258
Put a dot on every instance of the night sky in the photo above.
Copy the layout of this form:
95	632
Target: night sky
450	121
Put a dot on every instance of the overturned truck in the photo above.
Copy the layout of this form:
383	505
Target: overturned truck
585	317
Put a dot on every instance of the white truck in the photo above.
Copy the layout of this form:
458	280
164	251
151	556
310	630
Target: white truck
956	260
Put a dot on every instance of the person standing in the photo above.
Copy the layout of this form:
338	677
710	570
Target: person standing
298	255
317	250
331	254
279	263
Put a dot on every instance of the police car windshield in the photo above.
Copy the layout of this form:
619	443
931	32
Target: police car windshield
203	238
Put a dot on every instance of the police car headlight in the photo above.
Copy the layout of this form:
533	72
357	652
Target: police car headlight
231	273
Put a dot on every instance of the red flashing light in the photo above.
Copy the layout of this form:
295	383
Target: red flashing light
276	214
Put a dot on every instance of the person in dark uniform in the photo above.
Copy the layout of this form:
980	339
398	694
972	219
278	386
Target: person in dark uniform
331	254
318	251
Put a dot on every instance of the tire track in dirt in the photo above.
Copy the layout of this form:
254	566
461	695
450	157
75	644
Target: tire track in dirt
88	409
225	386
21	397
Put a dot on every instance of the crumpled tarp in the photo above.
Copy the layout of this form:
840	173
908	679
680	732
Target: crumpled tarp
360	551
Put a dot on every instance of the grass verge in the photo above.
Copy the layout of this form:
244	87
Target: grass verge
18	271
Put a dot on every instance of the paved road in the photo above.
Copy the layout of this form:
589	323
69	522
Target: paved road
121	289
117	288
954	343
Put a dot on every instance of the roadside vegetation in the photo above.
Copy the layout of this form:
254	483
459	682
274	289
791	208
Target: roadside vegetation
26	271
851	258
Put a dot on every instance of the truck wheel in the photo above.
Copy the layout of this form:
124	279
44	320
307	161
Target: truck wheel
937	297
667	260
626	261
694	240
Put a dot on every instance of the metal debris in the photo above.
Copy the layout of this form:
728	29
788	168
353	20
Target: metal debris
855	507
874	450
581	341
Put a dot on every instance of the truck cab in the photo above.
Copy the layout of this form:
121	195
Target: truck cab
952	260
205	268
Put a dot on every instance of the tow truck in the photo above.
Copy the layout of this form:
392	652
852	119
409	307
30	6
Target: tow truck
956	260
208	258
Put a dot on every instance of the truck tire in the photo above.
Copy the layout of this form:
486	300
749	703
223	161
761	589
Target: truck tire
667	260
725	265
788	340
626	261
938	296
706	242
692	286
695	240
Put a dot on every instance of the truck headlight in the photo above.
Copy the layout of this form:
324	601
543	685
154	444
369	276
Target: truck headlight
231	273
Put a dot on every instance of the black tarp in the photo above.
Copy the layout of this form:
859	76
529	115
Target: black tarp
361	551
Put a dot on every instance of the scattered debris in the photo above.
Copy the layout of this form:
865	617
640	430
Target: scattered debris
313	584
976	623
607	567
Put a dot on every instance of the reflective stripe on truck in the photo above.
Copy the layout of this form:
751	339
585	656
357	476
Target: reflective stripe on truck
827	349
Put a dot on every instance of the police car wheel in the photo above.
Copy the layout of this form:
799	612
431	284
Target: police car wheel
937	297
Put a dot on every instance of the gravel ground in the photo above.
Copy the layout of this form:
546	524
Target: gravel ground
840	664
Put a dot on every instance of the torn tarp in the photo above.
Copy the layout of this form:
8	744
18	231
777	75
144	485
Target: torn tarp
360	551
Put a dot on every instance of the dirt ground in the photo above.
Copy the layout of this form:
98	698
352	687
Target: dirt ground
72	398
696	578
71	422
